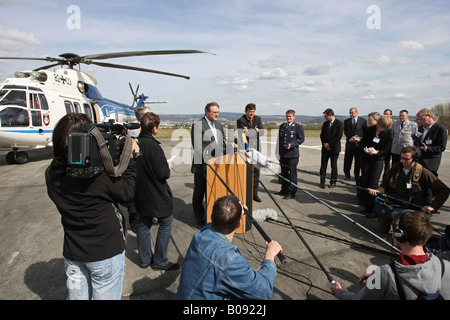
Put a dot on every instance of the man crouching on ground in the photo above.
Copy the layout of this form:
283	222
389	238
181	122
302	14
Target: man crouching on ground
214	268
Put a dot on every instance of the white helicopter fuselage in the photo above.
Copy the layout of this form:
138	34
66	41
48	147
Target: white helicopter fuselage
32	103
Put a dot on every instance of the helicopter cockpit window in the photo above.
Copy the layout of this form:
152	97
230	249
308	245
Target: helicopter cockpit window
36	118
14	117
77	107
15	97
43	102
69	106
87	110
38	101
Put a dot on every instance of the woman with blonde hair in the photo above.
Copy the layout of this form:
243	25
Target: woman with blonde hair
375	144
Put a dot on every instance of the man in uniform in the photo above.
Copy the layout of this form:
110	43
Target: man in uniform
251	125
290	136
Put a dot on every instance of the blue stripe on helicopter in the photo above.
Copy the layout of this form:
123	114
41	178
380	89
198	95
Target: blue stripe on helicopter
27	131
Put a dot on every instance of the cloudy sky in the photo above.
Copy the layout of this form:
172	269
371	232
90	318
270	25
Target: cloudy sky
301	54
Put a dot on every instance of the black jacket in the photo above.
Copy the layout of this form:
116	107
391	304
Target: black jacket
153	197
332	135
383	145
436	141
350	130
205	145
252	135
94	229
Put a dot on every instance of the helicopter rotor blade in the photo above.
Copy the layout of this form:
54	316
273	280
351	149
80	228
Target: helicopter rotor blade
118	66
131	88
111	55
47	67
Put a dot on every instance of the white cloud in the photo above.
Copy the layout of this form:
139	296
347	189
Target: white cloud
400	95
13	40
276	73
412	45
445	73
317	70
301	88
383	60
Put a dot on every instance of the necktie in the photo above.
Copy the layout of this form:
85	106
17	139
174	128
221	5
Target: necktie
251	123
403	124
214	130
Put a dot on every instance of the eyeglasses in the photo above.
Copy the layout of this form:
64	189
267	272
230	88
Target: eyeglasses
406	159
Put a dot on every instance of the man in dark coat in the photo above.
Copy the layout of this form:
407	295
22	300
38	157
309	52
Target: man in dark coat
290	136
251	126
330	136
433	140
353	126
208	141
153	197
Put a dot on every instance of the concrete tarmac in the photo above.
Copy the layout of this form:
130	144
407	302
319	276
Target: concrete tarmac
32	267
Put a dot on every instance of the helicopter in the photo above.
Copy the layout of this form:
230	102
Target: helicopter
33	102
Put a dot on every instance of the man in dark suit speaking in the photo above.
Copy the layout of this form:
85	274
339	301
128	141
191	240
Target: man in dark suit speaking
330	136
250	125
208	141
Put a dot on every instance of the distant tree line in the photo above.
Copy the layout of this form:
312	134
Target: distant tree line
443	112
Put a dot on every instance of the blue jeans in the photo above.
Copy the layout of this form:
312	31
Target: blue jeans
146	257
98	280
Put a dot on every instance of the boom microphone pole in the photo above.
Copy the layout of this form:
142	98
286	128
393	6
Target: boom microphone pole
338	212
254	222
329	277
367	190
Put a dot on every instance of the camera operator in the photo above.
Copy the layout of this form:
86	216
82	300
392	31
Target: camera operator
94	229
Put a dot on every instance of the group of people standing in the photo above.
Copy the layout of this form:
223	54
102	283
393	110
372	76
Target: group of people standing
371	144
213	268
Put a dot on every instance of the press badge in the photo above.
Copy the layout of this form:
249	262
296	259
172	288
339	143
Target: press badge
376	140
428	141
408	185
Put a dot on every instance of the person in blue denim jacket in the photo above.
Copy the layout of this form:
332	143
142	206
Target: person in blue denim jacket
214	268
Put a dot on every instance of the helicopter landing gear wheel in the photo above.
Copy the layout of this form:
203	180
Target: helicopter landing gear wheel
10	157
22	157
15	157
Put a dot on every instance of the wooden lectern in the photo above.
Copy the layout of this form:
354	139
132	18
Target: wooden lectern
238	175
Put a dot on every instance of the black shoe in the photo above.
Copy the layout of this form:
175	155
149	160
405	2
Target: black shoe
372	215
332	185
289	196
366	211
347	178
256	198
282	193
168	267
322	186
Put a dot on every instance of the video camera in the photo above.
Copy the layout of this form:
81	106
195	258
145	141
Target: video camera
84	155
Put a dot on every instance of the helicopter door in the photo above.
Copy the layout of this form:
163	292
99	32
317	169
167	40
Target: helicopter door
96	112
39	109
